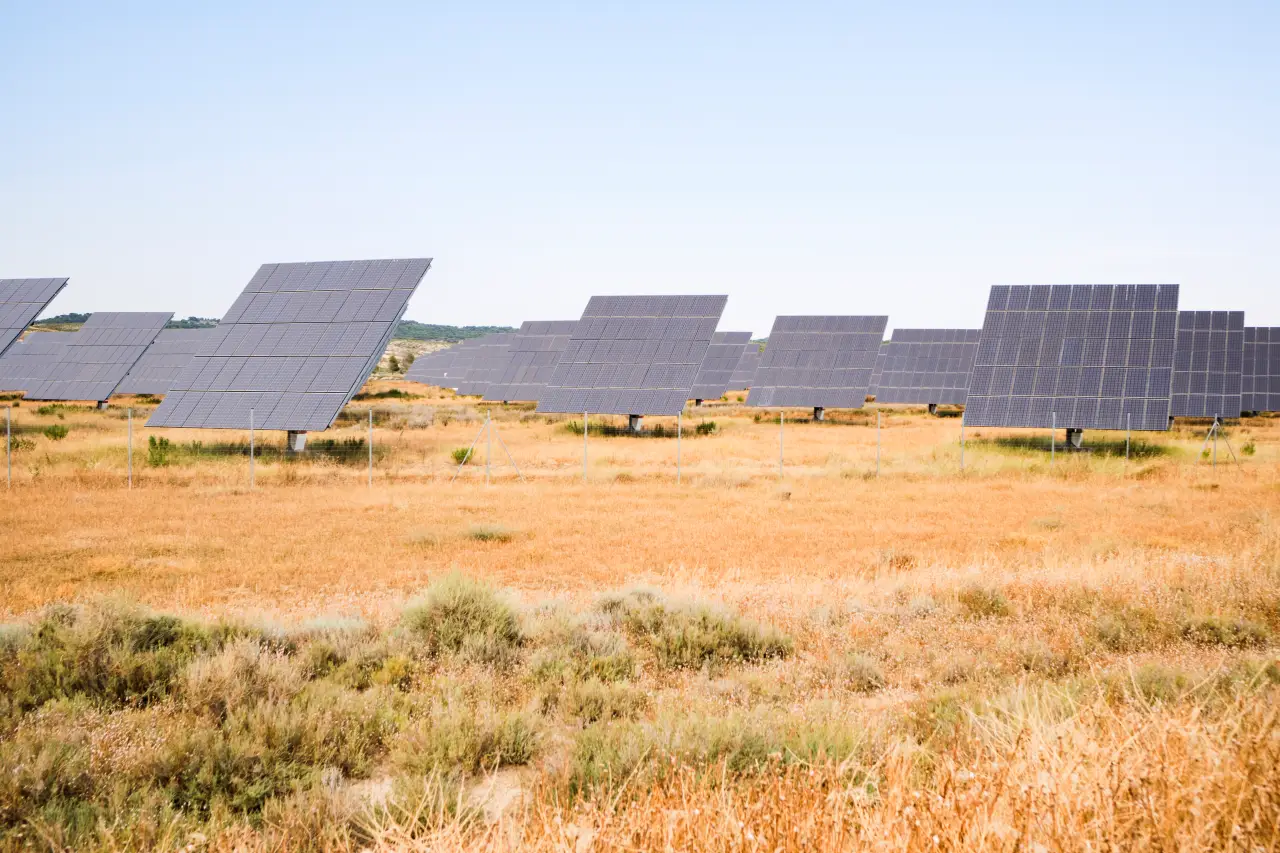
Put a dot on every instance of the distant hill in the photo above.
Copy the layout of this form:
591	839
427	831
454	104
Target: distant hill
414	331
62	321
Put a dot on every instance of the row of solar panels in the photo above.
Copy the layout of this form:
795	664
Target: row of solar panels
302	339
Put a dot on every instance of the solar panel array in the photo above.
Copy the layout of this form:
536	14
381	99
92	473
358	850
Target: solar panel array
744	373
492	353
432	368
815	361
1095	356
633	355
1260	387
21	301
926	366
717	367
162	363
31	359
534	353
295	347
98	356
1208	356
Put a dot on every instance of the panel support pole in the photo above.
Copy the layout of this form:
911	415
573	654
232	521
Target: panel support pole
1053	436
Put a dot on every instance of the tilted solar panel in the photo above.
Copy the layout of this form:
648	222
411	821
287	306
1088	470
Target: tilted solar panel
818	361
633	355
1091	356
534	354
21	301
491	356
31	359
430	368
162	363
295	347
719	364
925	366
1260	379
99	356
744	373
1208	357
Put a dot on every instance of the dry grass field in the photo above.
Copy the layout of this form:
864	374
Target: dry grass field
1018	656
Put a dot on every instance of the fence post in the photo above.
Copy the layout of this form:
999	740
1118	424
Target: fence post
877	442
371	447
781	421
130	447
1128	433
8	446
584	447
251	449
1214	430
962	416
488	443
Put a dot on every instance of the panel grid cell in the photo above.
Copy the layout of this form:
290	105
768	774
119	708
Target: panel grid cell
818	361
1208	359
31	359
98	356
633	355
307	335
534	354
163	361
926	366
1083	356
492	354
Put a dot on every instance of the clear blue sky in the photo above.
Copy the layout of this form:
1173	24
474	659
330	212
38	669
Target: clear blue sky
802	158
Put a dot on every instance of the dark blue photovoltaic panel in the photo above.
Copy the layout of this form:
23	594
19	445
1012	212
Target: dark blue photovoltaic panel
924	366
295	347
21	301
98	356
633	355
1260	376
491	357
1208	359
32	359
744	374
1084	356
818	361
162	363
534	354
719	364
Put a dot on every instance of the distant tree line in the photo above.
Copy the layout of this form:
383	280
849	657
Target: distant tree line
415	331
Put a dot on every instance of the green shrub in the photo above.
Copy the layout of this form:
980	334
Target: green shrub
470	739
158	450
691	635
393	364
1249	448
860	674
462	455
490	533
458	614
593	700
56	432
706	428
1232	633
980	602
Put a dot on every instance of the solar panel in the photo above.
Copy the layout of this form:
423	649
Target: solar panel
295	347
633	355
1208	356
717	367
1093	356
744	373
431	368
1260	377
21	301
491	356
534	353
31	359
926	366
818	362
162	363
98	356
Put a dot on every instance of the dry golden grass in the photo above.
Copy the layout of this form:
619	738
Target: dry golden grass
1015	657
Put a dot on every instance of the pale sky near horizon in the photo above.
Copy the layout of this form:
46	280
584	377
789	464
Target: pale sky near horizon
835	158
